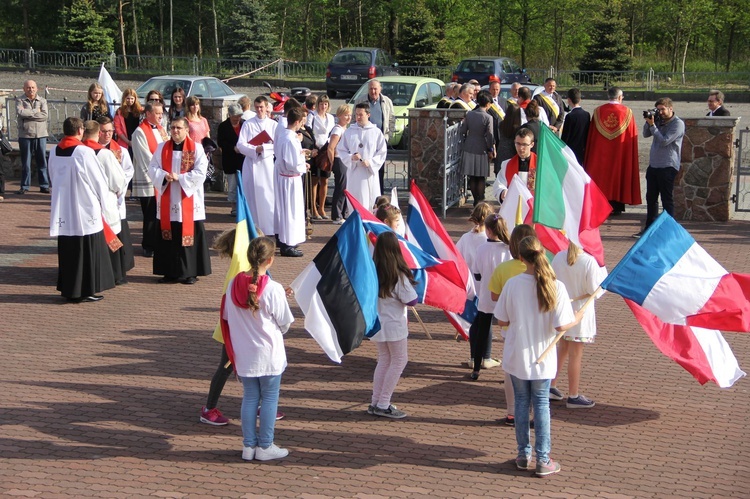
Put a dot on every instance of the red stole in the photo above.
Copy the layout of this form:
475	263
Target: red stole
512	168
146	127
116	150
186	165
113	242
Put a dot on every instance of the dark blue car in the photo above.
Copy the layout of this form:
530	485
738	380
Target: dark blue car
481	68
351	67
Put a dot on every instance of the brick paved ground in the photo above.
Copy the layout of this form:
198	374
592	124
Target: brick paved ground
102	399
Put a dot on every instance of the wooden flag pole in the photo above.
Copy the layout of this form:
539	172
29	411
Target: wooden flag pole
416	314
562	333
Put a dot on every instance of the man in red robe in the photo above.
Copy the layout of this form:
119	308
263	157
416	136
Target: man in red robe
612	152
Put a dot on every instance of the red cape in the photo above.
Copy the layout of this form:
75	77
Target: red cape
612	153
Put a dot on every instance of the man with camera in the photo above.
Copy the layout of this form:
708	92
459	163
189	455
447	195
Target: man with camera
664	158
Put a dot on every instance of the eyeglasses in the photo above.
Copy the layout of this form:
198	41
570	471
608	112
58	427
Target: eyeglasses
107	131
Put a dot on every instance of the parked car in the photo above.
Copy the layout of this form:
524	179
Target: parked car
505	89
406	92
481	68
204	87
351	67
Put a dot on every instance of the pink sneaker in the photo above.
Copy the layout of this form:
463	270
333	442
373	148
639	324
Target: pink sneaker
213	417
279	415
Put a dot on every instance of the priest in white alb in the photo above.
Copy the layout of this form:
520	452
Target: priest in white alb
125	259
178	170
258	168
362	150
78	193
289	216
116	184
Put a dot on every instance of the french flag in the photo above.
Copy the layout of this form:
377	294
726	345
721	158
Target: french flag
423	228
338	291
671	276
681	296
439	284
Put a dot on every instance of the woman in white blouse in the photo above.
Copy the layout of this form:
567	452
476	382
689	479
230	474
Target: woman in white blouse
321	122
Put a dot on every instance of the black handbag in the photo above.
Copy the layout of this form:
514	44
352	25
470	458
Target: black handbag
5	146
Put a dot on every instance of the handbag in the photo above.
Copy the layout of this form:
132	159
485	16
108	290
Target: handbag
5	146
321	160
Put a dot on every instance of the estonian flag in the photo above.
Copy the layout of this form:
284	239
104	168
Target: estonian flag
338	291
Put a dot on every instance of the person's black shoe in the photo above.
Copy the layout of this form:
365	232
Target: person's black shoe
638	235
22	191
44	190
148	253
92	298
167	280
190	280
289	251
120	282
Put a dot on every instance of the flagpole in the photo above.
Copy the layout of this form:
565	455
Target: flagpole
562	333
416	314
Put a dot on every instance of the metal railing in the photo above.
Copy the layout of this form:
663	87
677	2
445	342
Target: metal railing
741	196
454	183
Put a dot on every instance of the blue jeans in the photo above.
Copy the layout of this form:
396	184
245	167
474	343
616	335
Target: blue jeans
534	392
37	147
263	389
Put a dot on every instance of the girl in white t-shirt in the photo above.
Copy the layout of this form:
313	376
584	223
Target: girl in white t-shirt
469	242
581	275
395	293
533	305
255	314
491	253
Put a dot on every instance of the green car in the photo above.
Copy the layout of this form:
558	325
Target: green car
405	92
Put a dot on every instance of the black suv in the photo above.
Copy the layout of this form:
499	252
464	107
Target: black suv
351	67
481	68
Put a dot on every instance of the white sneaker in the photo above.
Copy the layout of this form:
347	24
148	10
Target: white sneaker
490	363
248	453
272	452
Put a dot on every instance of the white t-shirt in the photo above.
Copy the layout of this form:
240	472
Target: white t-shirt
257	337
468	245
582	278
489	255
530	331
392	312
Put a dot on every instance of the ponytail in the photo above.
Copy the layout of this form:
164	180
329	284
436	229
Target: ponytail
573	253
497	226
531	250
260	250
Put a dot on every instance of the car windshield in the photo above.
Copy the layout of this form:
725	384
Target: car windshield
164	86
352	58
399	93
469	66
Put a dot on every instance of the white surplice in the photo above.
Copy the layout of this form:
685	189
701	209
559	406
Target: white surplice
362	181
258	172
116	184
289	216
191	182
78	192
142	185
127	170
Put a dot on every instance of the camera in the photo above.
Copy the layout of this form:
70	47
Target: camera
651	113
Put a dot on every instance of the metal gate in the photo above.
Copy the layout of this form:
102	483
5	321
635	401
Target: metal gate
454	184
742	195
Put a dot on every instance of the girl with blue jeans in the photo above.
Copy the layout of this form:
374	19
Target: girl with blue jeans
534	305
255	314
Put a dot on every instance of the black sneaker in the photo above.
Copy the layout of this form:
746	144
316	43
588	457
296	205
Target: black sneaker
44	190
638	235
22	191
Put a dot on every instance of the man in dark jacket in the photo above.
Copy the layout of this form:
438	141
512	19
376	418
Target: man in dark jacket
231	158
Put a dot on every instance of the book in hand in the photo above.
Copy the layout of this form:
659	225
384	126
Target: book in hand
260	139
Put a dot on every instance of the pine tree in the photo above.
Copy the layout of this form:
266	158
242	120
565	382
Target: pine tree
418	43
251	32
82	29
608	50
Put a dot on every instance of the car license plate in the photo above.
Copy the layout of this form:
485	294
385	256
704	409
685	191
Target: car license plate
348	77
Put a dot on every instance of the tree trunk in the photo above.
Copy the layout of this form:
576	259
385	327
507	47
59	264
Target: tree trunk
135	32
200	30
171	37
122	34
338	25
392	28
524	36
161	28
730	45
684	57
306	32
283	29
360	32
26	24
216	28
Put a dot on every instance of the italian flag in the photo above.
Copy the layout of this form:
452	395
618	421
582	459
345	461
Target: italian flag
566	198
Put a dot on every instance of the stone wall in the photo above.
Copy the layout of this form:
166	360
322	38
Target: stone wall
703	188
426	149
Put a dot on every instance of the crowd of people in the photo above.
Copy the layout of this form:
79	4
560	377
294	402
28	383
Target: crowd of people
159	153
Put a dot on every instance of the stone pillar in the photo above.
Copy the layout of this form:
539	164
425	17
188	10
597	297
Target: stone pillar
703	188
427	149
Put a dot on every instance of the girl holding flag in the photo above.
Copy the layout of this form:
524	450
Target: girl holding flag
533	305
395	293
254	316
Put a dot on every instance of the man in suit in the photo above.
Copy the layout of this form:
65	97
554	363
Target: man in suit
716	104
552	103
497	99
231	158
576	128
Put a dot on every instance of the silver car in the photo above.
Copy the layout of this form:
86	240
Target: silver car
203	87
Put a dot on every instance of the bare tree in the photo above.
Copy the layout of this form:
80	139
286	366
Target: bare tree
120	5
135	32
216	28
